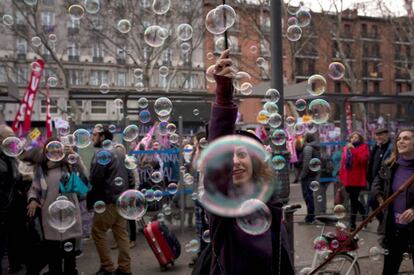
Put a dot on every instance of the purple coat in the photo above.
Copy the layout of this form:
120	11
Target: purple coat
234	251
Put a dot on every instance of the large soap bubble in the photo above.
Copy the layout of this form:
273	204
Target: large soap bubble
161	6
12	146
155	36
320	110
92	6
163	106
55	151
62	215
131	205
130	133
184	32
221	18
82	138
103	157
258	221
235	170
316	85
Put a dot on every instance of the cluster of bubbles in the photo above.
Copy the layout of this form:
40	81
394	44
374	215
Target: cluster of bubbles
300	18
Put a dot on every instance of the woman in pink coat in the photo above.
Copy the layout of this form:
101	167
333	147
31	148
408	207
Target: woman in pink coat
353	172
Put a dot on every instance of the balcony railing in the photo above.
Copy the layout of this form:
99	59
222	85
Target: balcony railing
98	59
73	58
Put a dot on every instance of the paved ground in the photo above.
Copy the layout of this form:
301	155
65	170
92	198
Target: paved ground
144	262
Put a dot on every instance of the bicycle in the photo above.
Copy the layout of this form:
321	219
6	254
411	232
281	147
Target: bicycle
346	262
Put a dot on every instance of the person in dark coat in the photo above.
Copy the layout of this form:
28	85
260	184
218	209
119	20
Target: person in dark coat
311	149
234	251
380	152
397	227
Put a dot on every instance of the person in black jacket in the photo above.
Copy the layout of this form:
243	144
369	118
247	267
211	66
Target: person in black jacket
397	227
104	189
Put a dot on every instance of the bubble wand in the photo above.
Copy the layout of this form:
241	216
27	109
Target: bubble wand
403	188
226	43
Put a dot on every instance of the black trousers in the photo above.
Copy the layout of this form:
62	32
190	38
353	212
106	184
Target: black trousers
132	228
356	205
400	242
57	255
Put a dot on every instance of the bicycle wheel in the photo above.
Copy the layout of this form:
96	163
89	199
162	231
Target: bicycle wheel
341	264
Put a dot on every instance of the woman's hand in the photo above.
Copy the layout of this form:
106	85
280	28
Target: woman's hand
224	65
349	146
31	208
407	216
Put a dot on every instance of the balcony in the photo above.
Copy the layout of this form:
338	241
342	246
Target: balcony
73	58
370	36
97	59
121	61
48	28
403	76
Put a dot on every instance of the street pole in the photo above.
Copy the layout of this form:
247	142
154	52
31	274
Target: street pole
181	180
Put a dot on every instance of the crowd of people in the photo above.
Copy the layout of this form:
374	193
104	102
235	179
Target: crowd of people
31	183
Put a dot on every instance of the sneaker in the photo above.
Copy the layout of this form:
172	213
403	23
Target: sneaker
119	272
103	272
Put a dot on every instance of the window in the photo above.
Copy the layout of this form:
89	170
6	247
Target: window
364	68
335	50
19	18
73	51
48	2
75	77
409	87
45	52
98	107
98	77
299	66
79	104
376	87
375	50
3	74
408	52
145	3
97	23
399	88
73	23
120	54
311	67
146	54
348	50
53	106
265	48
48	18
121	79
166	57
234	43
337	87
191	81
98	53
48	72
22	73
163	81
21	46
365	87
265	22
364	29
374	31
347	30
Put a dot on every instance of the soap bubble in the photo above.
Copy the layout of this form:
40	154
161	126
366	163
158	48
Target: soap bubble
334	244
275	120
314	185
36	41
300	104
82	138
12	146
304	17
149	195
144	116
156	176
172	188
76	11
161	217
192	246
375	253
294	33
292	21
8	20
30	2
124	26
184	32
220	164
104	88
320	243
161	6
167	210
210	55
271	107
118	103
163	106
311	127
68	247
278	137
290	121
316	85
174	138
406	256
206	236
130	133
130	162
339	211
319	198
155	36
99	207
142	102
107	144
138	73
203	143
240	78
299	128
112	128
52	81
260	61
210	74
185	47
278	162
171	128
118	181
92	6
196	112
258	221
294	6
72	158
221	18
272	95
315	164
220	44
131	205
163	71
188	179
55	151
158	195
103	157
139	86
52	38
253	49
263	117
320	110
336	70
163	128
62	215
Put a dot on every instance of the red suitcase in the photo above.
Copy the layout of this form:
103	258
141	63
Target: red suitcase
163	243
